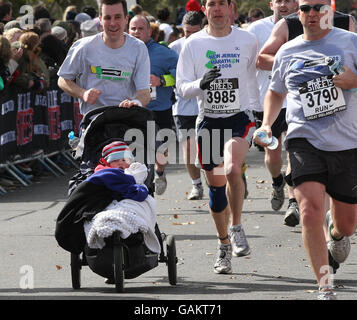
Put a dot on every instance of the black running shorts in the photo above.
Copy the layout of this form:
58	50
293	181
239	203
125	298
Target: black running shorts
337	170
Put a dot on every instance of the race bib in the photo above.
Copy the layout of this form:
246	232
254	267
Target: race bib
321	98
152	93
222	96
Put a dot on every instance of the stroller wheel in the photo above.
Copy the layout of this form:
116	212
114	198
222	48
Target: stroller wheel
118	267
76	267
171	259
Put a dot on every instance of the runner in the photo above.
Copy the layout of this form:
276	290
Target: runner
163	62
185	111
321	137
273	158
285	30
289	28
217	65
109	68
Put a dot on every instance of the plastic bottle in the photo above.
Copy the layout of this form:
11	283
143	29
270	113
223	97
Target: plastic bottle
73	140
337	68
2	86
272	142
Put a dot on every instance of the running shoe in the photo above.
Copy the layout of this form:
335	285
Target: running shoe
292	215
240	246
326	294
160	184
223	263
332	262
196	192
277	197
339	249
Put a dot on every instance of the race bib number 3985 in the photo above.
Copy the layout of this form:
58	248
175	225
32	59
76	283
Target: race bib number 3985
321	98
222	96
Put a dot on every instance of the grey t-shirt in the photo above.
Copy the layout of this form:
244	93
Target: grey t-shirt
118	73
317	110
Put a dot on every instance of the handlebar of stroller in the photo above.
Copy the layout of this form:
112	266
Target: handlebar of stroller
87	117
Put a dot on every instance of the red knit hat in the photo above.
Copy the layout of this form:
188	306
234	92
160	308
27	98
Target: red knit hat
193	5
116	150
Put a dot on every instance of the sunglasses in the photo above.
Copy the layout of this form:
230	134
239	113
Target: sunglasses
306	8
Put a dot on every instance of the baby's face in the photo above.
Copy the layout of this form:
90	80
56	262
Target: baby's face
120	163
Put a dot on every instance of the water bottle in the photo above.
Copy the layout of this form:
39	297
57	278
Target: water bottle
336	68
2	85
73	140
272	142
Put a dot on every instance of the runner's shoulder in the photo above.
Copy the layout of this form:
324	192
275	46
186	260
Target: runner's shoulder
132	41
261	24
244	37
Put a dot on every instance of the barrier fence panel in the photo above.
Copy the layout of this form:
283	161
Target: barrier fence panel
31	121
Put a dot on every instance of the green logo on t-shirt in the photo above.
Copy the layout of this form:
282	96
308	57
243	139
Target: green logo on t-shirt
110	73
221	60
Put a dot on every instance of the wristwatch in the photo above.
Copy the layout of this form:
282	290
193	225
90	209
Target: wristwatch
162	81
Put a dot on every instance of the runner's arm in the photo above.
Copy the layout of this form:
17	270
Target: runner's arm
353	24
272	105
89	96
187	84
346	80
253	86
143	96
142	99
277	38
71	88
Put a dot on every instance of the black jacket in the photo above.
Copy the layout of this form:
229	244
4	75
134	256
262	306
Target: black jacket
84	203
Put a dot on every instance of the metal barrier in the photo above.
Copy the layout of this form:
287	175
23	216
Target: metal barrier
36	120
44	159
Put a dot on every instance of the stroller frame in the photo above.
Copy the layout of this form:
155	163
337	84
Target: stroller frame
121	267
122	258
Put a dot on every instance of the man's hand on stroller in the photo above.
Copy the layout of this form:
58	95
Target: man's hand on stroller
91	95
130	103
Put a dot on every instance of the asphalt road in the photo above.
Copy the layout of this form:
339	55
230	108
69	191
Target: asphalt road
277	268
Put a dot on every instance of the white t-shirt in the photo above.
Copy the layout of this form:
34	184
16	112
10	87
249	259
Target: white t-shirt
236	89
167	29
262	29
182	107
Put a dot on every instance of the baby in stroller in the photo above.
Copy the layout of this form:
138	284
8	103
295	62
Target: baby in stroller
115	155
136	212
113	192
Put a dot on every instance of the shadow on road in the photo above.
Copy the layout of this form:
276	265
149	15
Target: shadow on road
263	283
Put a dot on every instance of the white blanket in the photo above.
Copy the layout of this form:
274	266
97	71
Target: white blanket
127	216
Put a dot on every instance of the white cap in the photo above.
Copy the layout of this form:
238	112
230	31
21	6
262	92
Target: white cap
82	16
89	28
59	32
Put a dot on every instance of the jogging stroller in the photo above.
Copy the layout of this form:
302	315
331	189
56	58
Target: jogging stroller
120	258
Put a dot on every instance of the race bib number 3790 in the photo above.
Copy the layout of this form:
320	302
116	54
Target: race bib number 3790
321	98
222	96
